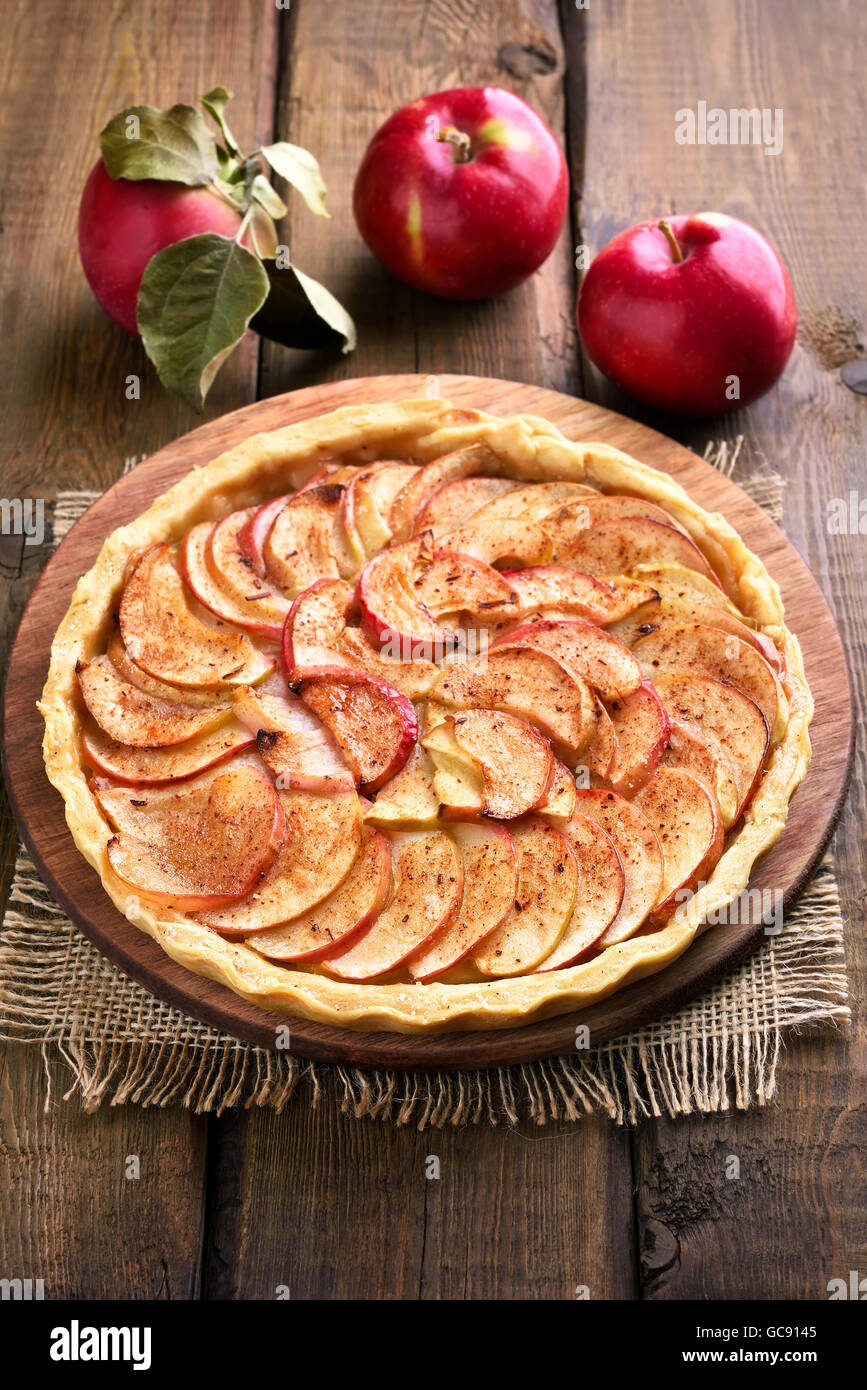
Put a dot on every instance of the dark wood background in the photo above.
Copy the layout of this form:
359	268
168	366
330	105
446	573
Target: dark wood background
333	1207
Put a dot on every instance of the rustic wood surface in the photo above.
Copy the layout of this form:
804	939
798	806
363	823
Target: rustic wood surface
333	1207
39	812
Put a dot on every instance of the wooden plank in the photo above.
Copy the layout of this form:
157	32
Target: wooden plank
68	425
795	1218
345	68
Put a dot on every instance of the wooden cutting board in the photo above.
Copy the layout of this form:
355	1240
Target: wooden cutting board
39	809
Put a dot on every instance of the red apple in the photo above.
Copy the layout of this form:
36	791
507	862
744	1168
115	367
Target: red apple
695	316
122	223
462	193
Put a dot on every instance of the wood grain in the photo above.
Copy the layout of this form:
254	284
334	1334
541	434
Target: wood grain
65	68
796	1216
76	887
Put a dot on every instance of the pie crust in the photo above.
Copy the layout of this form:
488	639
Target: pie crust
532	450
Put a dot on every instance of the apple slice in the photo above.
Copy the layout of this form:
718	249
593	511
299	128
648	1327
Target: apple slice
646	619
136	719
322	842
455	502
603	751
163	635
616	547
671	580
157	766
305	542
367	503
341	918
547	887
261	611
409	798
428	889
534	502
216	698
505	541
577	595
601	883
572	517
391	609
529	683
640	857
316	639
373	725
695	649
202	845
463	587
585	650
698	751
559	801
488	763
474	458
490	888
255	533
300	752
686	818
640	726
232	565
734	720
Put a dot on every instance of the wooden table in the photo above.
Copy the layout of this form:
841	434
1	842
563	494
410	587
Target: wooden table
333	1207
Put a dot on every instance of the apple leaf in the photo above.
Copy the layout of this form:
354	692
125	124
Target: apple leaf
196	299
215	102
144	143
299	168
301	313
268	197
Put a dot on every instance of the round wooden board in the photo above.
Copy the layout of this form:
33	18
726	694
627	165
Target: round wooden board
39	810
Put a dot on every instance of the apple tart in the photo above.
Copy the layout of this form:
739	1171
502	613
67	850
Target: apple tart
412	718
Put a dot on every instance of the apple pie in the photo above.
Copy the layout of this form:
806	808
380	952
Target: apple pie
409	717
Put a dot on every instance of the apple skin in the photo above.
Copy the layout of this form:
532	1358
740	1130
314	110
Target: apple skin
122	223
672	333
462	230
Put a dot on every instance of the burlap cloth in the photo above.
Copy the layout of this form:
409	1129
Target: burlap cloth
122	1045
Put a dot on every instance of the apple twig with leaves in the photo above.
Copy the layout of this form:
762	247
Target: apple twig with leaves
198	295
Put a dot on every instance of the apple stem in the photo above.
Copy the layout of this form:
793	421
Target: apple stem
676	253
459	140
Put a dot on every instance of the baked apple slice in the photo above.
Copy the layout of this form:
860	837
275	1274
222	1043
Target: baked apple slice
528	683
547	887
201	845
603	751
373	725
321	844
317	639
577	595
640	726
413	496
216	697
585	650
292	742
499	540
428	889
617	547
534	502
454	503
640	857
391	609
366	506
460	588
306	543
601	884
257	529
695	649
734	720
490	764
574	516
341	918
559	800
139	767
260	610
164	636
408	799
650	616
686	818
676	581
132	717
698	751
490	889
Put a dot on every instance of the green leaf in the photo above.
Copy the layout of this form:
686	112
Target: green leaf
144	143
299	168
196	299
261	233
215	102
268	197
301	313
